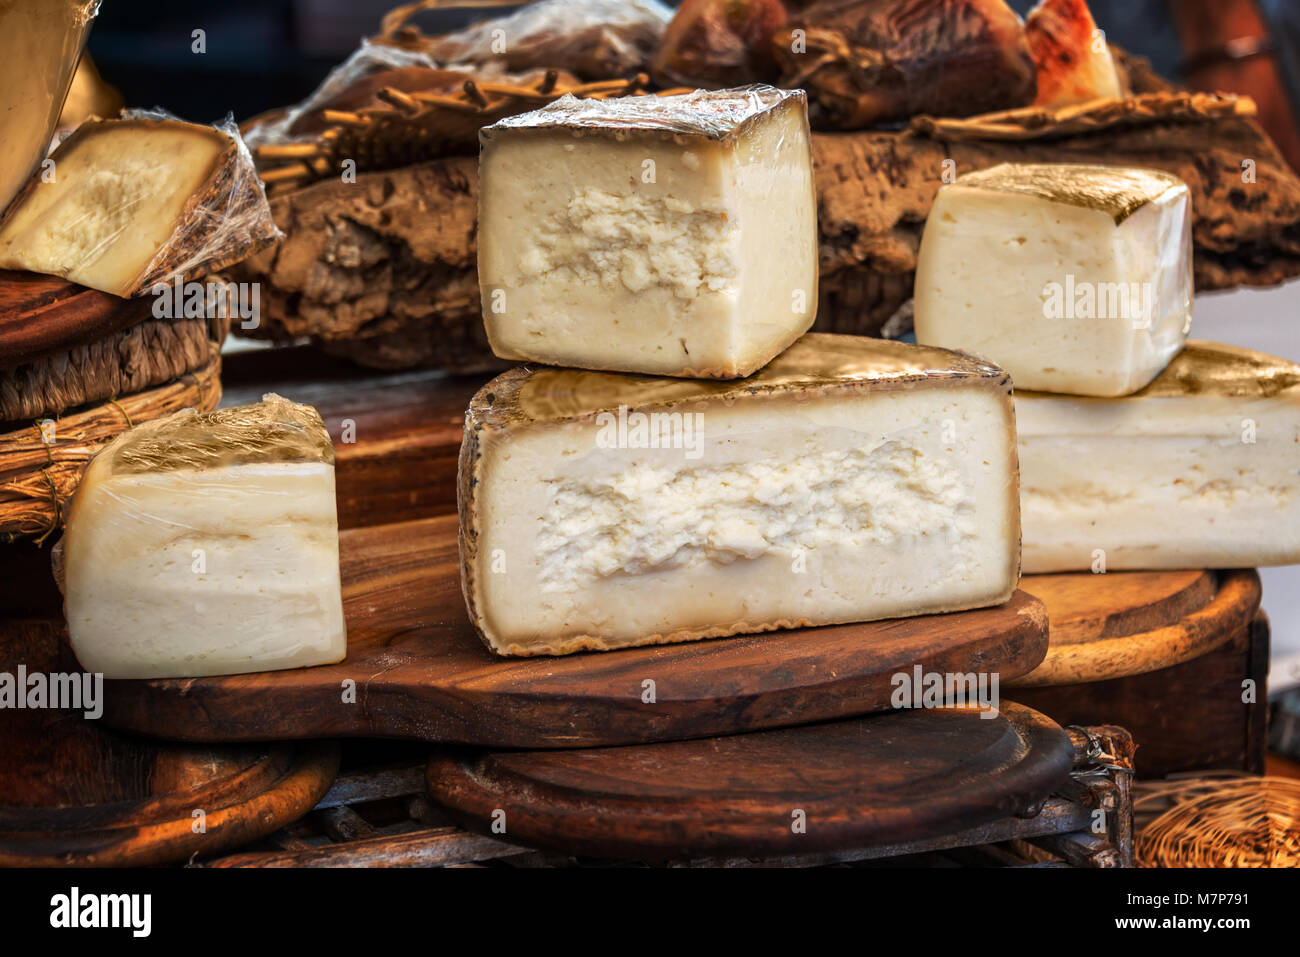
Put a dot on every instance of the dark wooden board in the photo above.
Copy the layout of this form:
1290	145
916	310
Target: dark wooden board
396	435
43	314
1164	654
883	779
75	793
421	672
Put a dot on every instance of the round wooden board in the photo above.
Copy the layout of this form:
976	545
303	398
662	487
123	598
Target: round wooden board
860	783
74	793
43	314
1129	623
416	669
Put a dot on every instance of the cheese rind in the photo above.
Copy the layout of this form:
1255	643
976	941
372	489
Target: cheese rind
1201	469
207	544
663	235
139	202
850	480
1075	279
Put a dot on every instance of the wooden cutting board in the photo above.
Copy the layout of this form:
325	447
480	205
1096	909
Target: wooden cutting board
75	793
416	669
853	784
1180	659
42	314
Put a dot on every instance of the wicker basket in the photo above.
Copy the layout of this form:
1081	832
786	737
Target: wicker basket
1219	820
41	464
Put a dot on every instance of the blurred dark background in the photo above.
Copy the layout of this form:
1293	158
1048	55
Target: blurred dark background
267	53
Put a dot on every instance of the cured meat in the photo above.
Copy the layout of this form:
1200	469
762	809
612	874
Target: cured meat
865	63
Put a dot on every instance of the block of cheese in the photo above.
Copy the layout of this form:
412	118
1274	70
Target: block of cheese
1071	56
207	544
666	235
1074	279
851	479
1201	469
138	202
40	42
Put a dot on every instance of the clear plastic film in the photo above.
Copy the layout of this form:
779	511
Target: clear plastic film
206	543
119	183
596	39
716	114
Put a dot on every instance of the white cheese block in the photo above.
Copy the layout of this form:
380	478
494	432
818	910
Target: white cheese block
207	544
851	479
1074	279
666	235
1201	469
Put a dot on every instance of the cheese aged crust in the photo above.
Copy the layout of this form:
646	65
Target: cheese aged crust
819	366
223	219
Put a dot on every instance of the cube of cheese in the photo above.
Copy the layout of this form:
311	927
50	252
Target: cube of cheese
207	544
667	235
1201	469
851	479
1074	279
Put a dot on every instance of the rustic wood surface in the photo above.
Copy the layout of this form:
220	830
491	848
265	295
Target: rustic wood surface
43	314
890	778
1128	623
405	428
74	793
420	672
1180	659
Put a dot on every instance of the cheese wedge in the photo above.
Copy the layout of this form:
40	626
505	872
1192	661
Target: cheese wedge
851	479
40	42
666	235
1074	279
139	202
1201	469
207	544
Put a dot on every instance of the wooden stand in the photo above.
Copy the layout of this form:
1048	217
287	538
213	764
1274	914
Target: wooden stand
1180	659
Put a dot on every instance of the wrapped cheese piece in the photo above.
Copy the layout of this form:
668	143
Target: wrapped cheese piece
1074	279
1071	55
207	544
851	479
138	202
1201	469
667	235
40	42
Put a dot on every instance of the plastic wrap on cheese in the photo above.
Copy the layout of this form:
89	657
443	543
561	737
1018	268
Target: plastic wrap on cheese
140	202
40	43
597	39
206	543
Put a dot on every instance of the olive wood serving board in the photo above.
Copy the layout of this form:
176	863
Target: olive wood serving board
416	669
852	784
